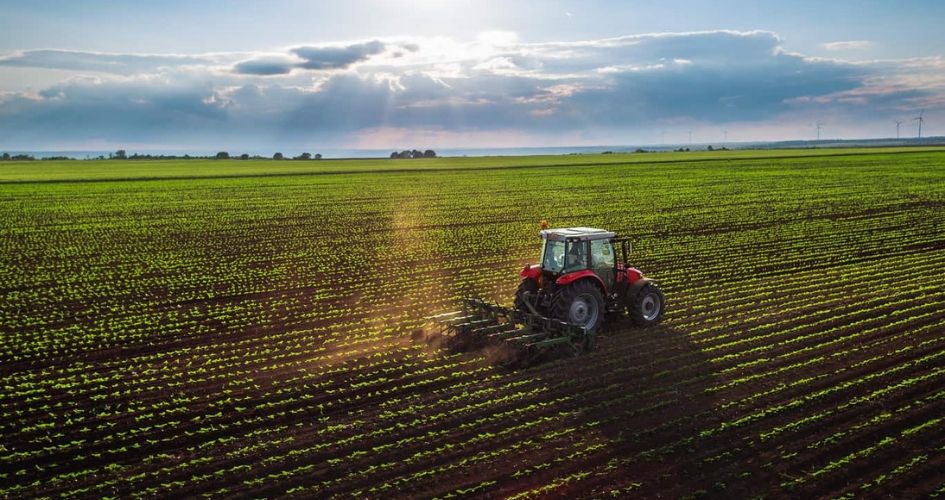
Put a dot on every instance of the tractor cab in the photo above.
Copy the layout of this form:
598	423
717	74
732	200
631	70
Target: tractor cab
580	279
571	250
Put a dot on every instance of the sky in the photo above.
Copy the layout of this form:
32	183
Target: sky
299	75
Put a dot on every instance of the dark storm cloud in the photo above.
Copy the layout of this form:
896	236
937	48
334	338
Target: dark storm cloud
311	58
337	57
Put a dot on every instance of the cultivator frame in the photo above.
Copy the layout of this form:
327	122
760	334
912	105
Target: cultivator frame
526	336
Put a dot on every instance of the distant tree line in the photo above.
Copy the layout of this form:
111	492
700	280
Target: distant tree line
303	156
413	153
121	154
25	157
638	150
708	148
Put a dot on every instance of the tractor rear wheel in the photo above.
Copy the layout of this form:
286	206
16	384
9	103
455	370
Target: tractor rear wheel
527	286
579	303
646	308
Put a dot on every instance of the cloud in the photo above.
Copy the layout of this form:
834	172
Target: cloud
265	66
717	77
607	90
848	45
124	64
303	57
313	58
336	57
125	110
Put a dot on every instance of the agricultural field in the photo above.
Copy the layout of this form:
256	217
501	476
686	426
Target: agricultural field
255	329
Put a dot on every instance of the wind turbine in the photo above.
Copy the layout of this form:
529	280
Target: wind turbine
897	128
920	120
690	137
820	125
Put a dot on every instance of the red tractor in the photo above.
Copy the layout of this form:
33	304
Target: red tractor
560	302
580	281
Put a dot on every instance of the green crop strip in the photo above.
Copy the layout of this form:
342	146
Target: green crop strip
178	329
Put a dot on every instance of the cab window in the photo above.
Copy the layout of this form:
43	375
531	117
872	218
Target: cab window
603	260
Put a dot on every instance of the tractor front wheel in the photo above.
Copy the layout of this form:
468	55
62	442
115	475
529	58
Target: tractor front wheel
647	306
581	304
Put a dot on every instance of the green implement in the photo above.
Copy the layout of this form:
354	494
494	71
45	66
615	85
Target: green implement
521	337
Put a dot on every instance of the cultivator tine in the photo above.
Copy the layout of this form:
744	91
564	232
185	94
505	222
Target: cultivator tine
477	337
523	336
507	333
529	338
442	325
466	328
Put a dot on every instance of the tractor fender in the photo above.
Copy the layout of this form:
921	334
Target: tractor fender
637	286
569	278
531	272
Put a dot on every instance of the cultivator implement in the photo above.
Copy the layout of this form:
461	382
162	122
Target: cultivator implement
521	337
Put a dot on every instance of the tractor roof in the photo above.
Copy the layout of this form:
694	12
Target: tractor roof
578	233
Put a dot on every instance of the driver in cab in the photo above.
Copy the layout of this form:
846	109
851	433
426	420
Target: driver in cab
577	259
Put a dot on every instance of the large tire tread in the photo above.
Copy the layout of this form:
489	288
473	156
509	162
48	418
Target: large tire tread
561	305
635	307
